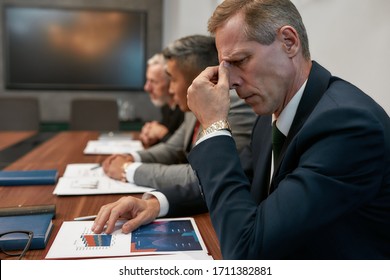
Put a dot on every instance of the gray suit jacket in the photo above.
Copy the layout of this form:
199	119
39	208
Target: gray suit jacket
166	167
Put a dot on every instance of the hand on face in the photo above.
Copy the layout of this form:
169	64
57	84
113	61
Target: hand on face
113	165
137	211
208	96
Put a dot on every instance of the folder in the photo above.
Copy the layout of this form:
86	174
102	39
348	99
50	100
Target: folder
27	210
28	177
40	224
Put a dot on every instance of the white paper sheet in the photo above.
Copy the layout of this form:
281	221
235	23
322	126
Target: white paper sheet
86	179
115	135
109	147
162	237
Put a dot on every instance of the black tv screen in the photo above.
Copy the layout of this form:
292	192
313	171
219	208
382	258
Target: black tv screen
52	48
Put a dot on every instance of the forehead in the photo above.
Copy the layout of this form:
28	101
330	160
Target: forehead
155	69
172	66
231	40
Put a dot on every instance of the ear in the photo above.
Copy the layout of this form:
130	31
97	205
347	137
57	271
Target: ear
290	39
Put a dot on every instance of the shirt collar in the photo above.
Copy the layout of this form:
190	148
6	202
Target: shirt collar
287	115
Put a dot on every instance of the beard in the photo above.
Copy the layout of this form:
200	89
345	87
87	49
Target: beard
160	101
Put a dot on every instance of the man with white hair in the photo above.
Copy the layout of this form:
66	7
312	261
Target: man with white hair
157	85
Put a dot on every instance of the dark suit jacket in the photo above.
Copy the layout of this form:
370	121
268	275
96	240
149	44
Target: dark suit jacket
171	119
329	197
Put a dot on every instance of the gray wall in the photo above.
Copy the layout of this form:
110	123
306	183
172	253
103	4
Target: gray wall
351	38
186	17
55	105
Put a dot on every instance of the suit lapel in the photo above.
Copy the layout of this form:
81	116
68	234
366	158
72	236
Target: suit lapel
317	84
261	152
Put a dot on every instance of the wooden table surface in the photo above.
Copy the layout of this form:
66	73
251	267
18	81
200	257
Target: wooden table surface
56	153
8	138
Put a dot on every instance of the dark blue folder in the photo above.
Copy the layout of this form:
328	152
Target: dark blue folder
40	224
28	177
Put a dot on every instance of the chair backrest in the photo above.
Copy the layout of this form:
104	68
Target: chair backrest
19	113
94	114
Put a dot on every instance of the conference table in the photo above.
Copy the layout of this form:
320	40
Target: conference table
8	138
55	153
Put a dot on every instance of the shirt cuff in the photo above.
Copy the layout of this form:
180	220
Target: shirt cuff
130	171
162	199
136	156
213	134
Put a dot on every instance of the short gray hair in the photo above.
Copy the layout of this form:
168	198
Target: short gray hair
157	58
262	19
193	53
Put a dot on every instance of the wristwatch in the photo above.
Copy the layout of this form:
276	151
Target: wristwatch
124	172
219	125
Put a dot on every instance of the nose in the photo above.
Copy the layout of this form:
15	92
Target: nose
147	86
234	80
171	90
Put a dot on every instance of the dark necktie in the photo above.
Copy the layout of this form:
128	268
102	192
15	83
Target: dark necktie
278	139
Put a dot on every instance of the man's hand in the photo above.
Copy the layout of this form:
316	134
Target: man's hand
152	133
208	96
137	211
113	165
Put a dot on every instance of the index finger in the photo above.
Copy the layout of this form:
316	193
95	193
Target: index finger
210	74
106	217
223	75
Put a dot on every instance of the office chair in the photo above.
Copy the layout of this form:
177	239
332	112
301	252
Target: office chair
19	113
94	114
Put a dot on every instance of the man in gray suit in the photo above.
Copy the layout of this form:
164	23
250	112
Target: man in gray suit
164	166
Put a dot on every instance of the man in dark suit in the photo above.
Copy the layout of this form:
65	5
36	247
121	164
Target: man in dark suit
327	195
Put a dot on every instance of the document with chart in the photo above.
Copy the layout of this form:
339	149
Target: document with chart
163	236
90	179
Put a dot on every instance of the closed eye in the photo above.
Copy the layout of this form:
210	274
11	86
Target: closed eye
239	63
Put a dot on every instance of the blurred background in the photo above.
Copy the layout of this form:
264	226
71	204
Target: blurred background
61	50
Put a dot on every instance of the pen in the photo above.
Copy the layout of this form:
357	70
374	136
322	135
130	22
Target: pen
96	167
85	218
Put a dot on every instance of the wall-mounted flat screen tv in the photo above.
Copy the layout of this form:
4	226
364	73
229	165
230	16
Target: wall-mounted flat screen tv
92	49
